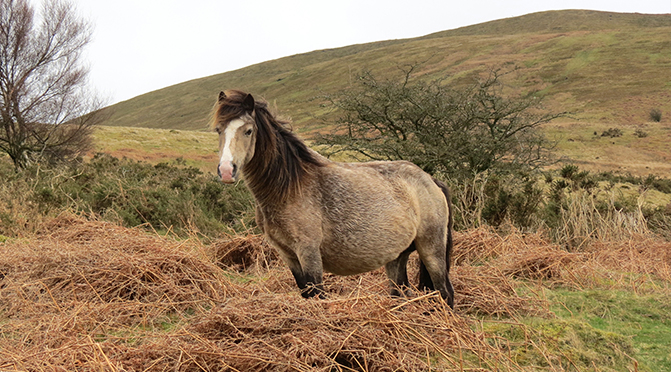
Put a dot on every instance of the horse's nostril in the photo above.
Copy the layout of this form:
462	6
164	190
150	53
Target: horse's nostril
219	171
235	170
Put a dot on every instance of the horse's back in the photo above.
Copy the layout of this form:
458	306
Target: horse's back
427	198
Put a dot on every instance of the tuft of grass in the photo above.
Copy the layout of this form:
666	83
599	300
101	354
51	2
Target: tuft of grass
612	133
640	133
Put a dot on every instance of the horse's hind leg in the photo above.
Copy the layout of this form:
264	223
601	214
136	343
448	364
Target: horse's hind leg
426	284
433	273
397	273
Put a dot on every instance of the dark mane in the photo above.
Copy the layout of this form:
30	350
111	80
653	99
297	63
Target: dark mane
281	160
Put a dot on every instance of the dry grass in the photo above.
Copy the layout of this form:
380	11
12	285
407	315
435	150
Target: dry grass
93	296
641	258
195	148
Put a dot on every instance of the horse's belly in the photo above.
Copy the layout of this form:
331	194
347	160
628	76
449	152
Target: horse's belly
355	255
352	266
369	218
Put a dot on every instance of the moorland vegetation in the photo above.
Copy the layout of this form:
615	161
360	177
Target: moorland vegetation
143	260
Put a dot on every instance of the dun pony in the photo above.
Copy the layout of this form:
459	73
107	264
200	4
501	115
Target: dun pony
344	218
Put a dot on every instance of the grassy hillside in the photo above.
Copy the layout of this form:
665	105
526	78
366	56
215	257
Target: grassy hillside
609	69
604	66
562	21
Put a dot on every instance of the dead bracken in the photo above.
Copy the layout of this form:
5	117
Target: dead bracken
88	295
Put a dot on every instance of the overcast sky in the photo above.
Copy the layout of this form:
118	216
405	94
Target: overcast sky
143	45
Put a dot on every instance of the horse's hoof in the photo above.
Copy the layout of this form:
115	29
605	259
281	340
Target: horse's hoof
313	292
396	292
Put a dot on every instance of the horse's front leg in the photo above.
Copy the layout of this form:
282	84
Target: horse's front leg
309	279
296	232
309	285
306	269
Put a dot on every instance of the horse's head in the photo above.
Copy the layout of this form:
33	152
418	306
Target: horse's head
234	121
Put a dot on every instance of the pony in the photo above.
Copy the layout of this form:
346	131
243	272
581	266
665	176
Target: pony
343	218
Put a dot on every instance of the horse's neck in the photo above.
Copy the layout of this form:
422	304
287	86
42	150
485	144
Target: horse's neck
275	180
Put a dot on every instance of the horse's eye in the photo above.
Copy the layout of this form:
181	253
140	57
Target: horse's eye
218	129
248	132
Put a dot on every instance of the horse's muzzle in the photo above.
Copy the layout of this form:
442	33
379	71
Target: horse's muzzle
227	172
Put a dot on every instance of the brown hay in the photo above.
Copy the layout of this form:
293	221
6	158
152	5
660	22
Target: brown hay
641	254
243	253
486	290
86	295
79	261
534	257
515	255
358	333
475	246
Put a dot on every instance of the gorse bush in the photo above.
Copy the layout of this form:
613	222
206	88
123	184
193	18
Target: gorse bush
494	199
162	196
655	115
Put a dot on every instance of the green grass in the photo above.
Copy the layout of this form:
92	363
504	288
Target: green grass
192	148
596	329
570	343
643	320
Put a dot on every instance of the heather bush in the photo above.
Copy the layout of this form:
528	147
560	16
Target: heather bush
161	197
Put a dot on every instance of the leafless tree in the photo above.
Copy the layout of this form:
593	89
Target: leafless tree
45	107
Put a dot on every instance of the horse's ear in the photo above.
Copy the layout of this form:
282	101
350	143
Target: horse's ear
222	96
248	103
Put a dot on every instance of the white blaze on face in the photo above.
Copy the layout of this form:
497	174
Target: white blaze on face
226	167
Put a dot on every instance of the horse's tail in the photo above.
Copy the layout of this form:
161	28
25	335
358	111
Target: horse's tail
425	281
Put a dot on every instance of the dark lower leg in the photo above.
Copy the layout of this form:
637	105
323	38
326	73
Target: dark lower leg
425	282
312	289
310	285
438	281
397	273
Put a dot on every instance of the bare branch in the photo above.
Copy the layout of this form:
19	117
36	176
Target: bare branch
43	82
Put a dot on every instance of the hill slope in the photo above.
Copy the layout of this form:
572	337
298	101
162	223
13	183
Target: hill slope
590	62
610	69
